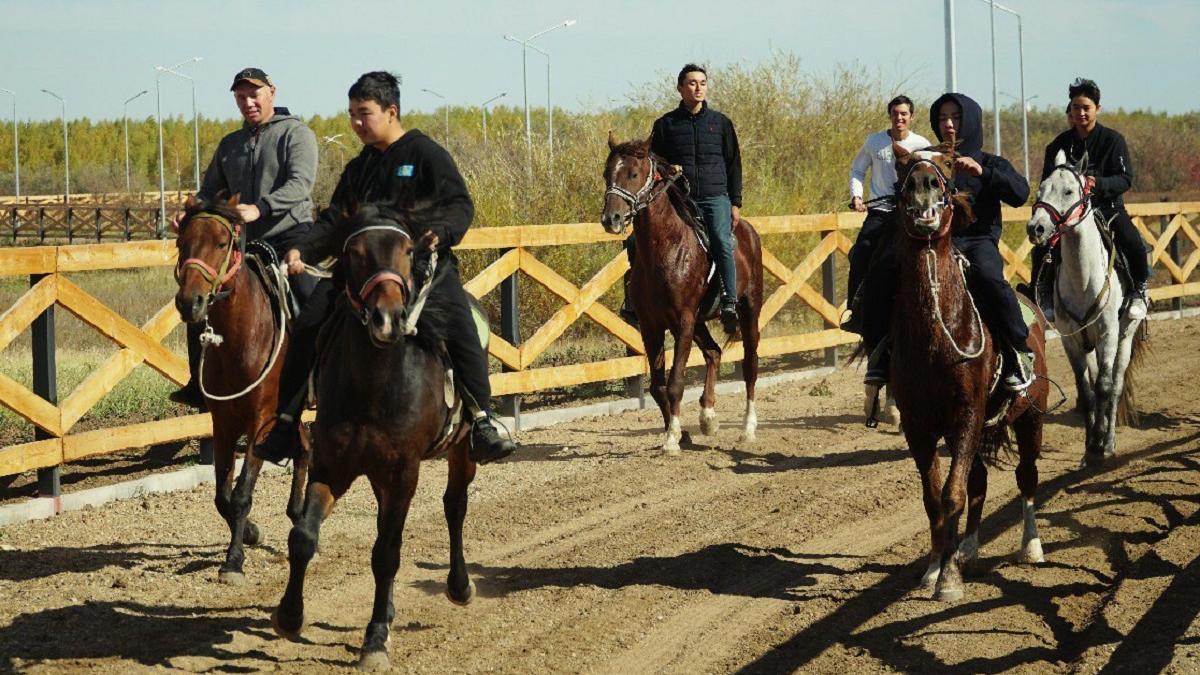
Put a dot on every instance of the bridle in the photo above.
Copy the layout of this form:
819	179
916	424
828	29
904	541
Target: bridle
945	187
655	185
230	265
1074	214
357	300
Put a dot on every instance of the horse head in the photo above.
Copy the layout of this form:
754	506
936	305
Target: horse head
926	197
209	254
630	173
377	259
1062	201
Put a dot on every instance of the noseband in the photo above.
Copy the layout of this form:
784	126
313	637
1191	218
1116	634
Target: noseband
1074	214
945	186
358	301
229	266
654	186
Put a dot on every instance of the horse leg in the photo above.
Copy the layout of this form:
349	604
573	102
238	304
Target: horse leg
968	550
299	477
962	446
1104	415
319	498
1085	397
1120	367
1028	430
923	448
656	358
224	440
683	344
712	364
394	491
459	587
748	316
242	530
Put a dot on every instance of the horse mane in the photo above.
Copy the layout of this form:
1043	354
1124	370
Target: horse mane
218	205
964	214
639	149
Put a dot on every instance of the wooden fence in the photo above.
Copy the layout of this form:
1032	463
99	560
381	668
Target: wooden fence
1164	226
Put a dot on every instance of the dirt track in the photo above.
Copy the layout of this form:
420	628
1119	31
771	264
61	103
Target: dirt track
591	554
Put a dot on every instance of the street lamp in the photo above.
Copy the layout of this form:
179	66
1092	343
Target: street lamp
125	116
525	80
549	105
1021	55
66	149
951	57
483	109
16	149
162	183
326	140
446	110
399	99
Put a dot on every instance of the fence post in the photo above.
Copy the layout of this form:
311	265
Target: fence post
510	330
45	385
829	292
127	235
16	219
1172	250
69	223
99	229
206	451
41	224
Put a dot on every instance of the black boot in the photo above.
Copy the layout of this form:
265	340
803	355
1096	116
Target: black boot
879	364
487	445
1018	369
282	442
729	316
626	312
189	395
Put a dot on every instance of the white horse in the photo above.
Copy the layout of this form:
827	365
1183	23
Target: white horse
1099	332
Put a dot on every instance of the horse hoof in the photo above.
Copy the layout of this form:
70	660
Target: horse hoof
929	579
374	661
948	594
889	414
748	437
1031	553
709	424
465	600
284	632
251	536
1092	460
670	451
231	578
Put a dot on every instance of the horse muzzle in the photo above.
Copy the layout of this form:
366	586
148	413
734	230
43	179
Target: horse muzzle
385	325
615	223
193	307
1039	230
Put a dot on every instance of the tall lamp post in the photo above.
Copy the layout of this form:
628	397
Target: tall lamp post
951	54
483	109
125	116
162	183
1021	57
446	113
66	149
327	140
525	80
549	103
16	149
1024	125
399	99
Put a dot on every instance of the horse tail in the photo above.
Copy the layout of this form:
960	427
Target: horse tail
1127	411
996	448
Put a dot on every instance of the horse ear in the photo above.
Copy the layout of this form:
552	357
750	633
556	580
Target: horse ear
234	200
1060	158
901	153
612	140
350	208
191	203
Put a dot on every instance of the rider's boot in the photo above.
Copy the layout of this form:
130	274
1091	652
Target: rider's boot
879	363
1017	369
626	312
1138	302
282	443
487	444
190	394
729	315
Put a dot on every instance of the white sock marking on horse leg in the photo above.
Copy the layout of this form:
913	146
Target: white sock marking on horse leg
750	423
708	421
968	548
932	572
674	433
1031	543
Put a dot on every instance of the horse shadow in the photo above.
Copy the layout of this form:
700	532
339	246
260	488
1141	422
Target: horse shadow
775	462
28	565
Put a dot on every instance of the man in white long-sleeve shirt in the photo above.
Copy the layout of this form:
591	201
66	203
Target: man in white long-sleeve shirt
876	155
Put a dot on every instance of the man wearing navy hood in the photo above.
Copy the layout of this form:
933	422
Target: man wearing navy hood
989	180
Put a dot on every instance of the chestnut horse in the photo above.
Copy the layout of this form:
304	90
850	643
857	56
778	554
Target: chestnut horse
245	341
386	404
944	371
669	283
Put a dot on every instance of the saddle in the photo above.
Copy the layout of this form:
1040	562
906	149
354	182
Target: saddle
265	263
690	212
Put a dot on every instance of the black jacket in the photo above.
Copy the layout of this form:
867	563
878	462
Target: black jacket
412	173
999	182
706	146
1107	160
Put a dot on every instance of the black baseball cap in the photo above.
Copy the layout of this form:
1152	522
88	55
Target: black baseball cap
252	75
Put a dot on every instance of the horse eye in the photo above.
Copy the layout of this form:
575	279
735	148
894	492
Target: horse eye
223	245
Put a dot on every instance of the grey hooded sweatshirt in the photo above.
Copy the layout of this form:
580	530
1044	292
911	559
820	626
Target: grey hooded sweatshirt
272	166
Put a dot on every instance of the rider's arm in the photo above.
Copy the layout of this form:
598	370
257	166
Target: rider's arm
733	163
858	171
452	208
1117	172
1010	186
298	166
323	239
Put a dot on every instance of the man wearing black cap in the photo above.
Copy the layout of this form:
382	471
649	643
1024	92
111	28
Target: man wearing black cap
271	162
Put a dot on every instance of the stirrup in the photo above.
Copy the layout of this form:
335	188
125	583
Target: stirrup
1020	376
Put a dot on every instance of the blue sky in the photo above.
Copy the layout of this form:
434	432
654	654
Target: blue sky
98	53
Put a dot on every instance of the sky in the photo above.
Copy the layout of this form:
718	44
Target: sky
98	53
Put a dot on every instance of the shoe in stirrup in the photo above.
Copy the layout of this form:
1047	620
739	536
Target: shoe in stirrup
879	364
854	324
627	314
729	316
189	395
282	442
1137	304
1018	370
487	445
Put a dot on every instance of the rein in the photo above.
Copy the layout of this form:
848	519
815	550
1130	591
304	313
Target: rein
1066	220
944	186
656	184
229	266
357	300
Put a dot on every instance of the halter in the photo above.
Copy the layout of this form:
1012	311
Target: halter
358	300
1074	214
638	201
944	186
229	266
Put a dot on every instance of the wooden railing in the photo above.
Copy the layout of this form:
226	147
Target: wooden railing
1162	225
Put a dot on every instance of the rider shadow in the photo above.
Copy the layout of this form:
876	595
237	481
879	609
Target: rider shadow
722	569
836	423
27	565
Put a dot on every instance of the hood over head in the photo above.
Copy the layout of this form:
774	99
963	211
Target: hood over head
970	131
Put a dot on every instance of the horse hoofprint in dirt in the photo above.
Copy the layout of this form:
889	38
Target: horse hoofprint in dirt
1098	334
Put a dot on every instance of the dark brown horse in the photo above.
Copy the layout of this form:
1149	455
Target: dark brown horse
669	282
944	371
241	361
386	404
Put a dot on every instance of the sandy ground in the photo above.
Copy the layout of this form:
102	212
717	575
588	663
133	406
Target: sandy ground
592	553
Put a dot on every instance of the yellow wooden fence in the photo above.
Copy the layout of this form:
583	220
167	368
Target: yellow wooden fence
1163	225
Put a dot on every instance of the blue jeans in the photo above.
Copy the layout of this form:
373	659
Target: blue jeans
718	219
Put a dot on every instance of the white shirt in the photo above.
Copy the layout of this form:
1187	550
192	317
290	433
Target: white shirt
876	154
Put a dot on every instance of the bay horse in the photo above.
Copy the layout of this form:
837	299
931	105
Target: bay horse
1099	337
245	341
386	405
944	371
669	284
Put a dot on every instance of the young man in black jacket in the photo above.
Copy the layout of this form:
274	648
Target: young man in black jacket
990	180
704	144
405	169
1110	172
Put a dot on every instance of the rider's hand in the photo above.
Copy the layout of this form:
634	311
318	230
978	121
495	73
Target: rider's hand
176	220
428	241
676	168
248	212
737	215
1090	184
292	261
969	165
857	204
